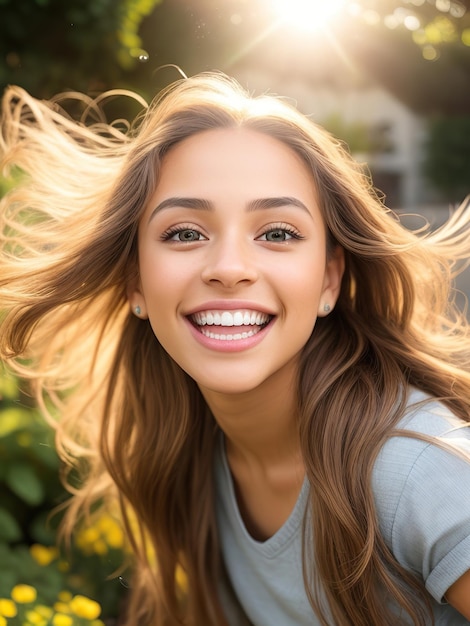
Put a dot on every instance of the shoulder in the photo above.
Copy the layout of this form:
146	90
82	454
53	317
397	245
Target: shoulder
403	452
422	492
405	460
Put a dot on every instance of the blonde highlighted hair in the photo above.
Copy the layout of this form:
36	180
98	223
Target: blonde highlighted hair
137	425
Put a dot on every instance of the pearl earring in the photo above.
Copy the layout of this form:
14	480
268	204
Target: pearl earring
137	310
326	308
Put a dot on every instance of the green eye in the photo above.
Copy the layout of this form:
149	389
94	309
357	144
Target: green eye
187	235
278	234
183	235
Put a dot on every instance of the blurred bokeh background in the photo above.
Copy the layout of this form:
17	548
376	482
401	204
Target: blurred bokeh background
390	78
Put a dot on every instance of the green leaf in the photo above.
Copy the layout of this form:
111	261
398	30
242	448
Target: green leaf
14	418
43	528
9	574
9	528
22	480
8	580
8	384
46	453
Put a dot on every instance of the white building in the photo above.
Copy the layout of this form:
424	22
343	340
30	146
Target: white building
397	167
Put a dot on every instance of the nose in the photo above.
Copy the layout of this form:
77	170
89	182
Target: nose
230	263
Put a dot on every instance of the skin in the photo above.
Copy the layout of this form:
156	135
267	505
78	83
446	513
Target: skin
458	595
221	248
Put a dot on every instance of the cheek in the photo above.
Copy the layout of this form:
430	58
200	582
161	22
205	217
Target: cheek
304	289
158	278
303	275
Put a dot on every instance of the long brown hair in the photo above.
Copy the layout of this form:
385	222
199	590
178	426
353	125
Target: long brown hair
137	425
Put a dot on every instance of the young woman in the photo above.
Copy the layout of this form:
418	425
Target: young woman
250	353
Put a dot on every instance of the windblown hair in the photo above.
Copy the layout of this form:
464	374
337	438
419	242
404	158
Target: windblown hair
136	424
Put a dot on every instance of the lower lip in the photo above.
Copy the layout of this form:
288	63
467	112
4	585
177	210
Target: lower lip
229	345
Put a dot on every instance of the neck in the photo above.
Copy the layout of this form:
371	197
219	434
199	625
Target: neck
260	425
263	451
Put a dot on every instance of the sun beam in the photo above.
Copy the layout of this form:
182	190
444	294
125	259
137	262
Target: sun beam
309	15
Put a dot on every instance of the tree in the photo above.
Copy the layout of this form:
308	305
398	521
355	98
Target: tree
447	163
51	45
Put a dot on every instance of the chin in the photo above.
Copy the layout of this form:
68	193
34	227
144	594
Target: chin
228	387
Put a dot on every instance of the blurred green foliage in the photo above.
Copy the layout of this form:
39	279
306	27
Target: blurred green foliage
6	184
29	468
30	490
47	46
359	137
447	163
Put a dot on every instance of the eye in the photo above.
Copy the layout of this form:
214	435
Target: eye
182	234
279	234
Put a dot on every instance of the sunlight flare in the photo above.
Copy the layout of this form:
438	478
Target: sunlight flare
309	15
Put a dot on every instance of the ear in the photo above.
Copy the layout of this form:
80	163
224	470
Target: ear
136	299
332	281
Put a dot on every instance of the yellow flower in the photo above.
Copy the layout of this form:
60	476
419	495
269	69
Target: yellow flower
35	618
100	547
61	607
65	596
44	611
7	608
60	619
43	555
23	594
115	537
105	533
105	522
90	535
85	607
86	539
111	531
3	621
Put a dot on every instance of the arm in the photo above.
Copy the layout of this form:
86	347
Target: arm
458	595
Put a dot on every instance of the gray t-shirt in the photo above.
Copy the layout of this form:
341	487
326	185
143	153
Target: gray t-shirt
422	495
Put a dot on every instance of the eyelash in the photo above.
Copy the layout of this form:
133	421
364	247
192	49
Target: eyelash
290	230
175	230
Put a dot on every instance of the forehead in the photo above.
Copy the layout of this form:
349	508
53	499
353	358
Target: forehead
232	155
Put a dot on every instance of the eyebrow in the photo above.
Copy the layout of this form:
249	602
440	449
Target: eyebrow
206	205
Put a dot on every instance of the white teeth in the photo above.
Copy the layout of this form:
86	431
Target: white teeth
234	337
238	318
230	318
255	320
227	319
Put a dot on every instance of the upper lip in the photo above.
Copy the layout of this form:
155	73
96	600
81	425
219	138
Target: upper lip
229	305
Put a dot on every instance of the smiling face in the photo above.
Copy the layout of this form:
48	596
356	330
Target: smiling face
232	260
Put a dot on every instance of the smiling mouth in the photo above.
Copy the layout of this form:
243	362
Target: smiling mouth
230	325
